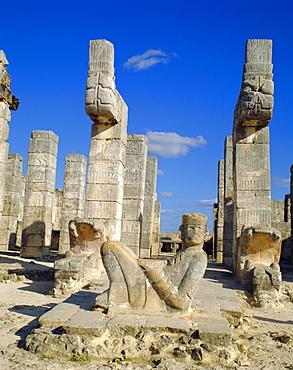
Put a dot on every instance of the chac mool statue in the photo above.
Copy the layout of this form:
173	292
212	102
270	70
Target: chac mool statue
154	284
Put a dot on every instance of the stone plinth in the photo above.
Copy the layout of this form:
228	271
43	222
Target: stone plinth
73	196
108	111
149	207
39	194
134	186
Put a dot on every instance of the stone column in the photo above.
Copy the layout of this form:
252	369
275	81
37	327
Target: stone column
156	229
7	102
108	111
21	209
56	218
228	203
39	194
12	202
291	208
149	206
218	244
134	184
251	158
73	196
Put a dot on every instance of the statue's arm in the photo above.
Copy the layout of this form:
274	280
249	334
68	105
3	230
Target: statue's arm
180	296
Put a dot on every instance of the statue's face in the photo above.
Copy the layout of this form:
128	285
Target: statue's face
193	234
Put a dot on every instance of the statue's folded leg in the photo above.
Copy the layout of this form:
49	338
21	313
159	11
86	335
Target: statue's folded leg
122	268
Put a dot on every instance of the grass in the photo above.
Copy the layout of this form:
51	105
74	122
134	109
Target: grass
80	358
240	348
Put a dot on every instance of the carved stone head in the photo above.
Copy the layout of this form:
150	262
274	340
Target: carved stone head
193	229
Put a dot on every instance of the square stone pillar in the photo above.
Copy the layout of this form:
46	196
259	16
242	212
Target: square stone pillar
218	243
108	111
134	186
39	194
73	196
228	203
149	207
12	202
251	143
7	102
156	229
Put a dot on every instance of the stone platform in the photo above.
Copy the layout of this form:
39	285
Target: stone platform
72	327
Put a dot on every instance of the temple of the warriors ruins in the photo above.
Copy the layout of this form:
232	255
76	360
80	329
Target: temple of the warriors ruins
104	225
115	193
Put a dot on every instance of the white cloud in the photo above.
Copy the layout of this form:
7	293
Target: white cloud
207	202
172	145
280	182
148	59
165	194
169	211
160	172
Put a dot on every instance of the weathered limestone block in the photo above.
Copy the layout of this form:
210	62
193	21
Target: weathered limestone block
108	111
149	207
39	194
150	285
258	259
73	273
73	196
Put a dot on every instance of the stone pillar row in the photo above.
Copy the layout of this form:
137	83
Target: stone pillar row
117	189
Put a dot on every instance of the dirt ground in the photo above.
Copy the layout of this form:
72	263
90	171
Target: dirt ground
264	340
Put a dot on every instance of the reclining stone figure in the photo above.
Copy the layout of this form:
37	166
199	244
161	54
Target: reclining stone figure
153	284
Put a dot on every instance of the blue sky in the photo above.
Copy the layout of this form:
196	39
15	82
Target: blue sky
178	67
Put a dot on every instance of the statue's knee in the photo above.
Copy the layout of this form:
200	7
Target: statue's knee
111	246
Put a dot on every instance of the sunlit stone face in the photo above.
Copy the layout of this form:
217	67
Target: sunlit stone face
193	233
